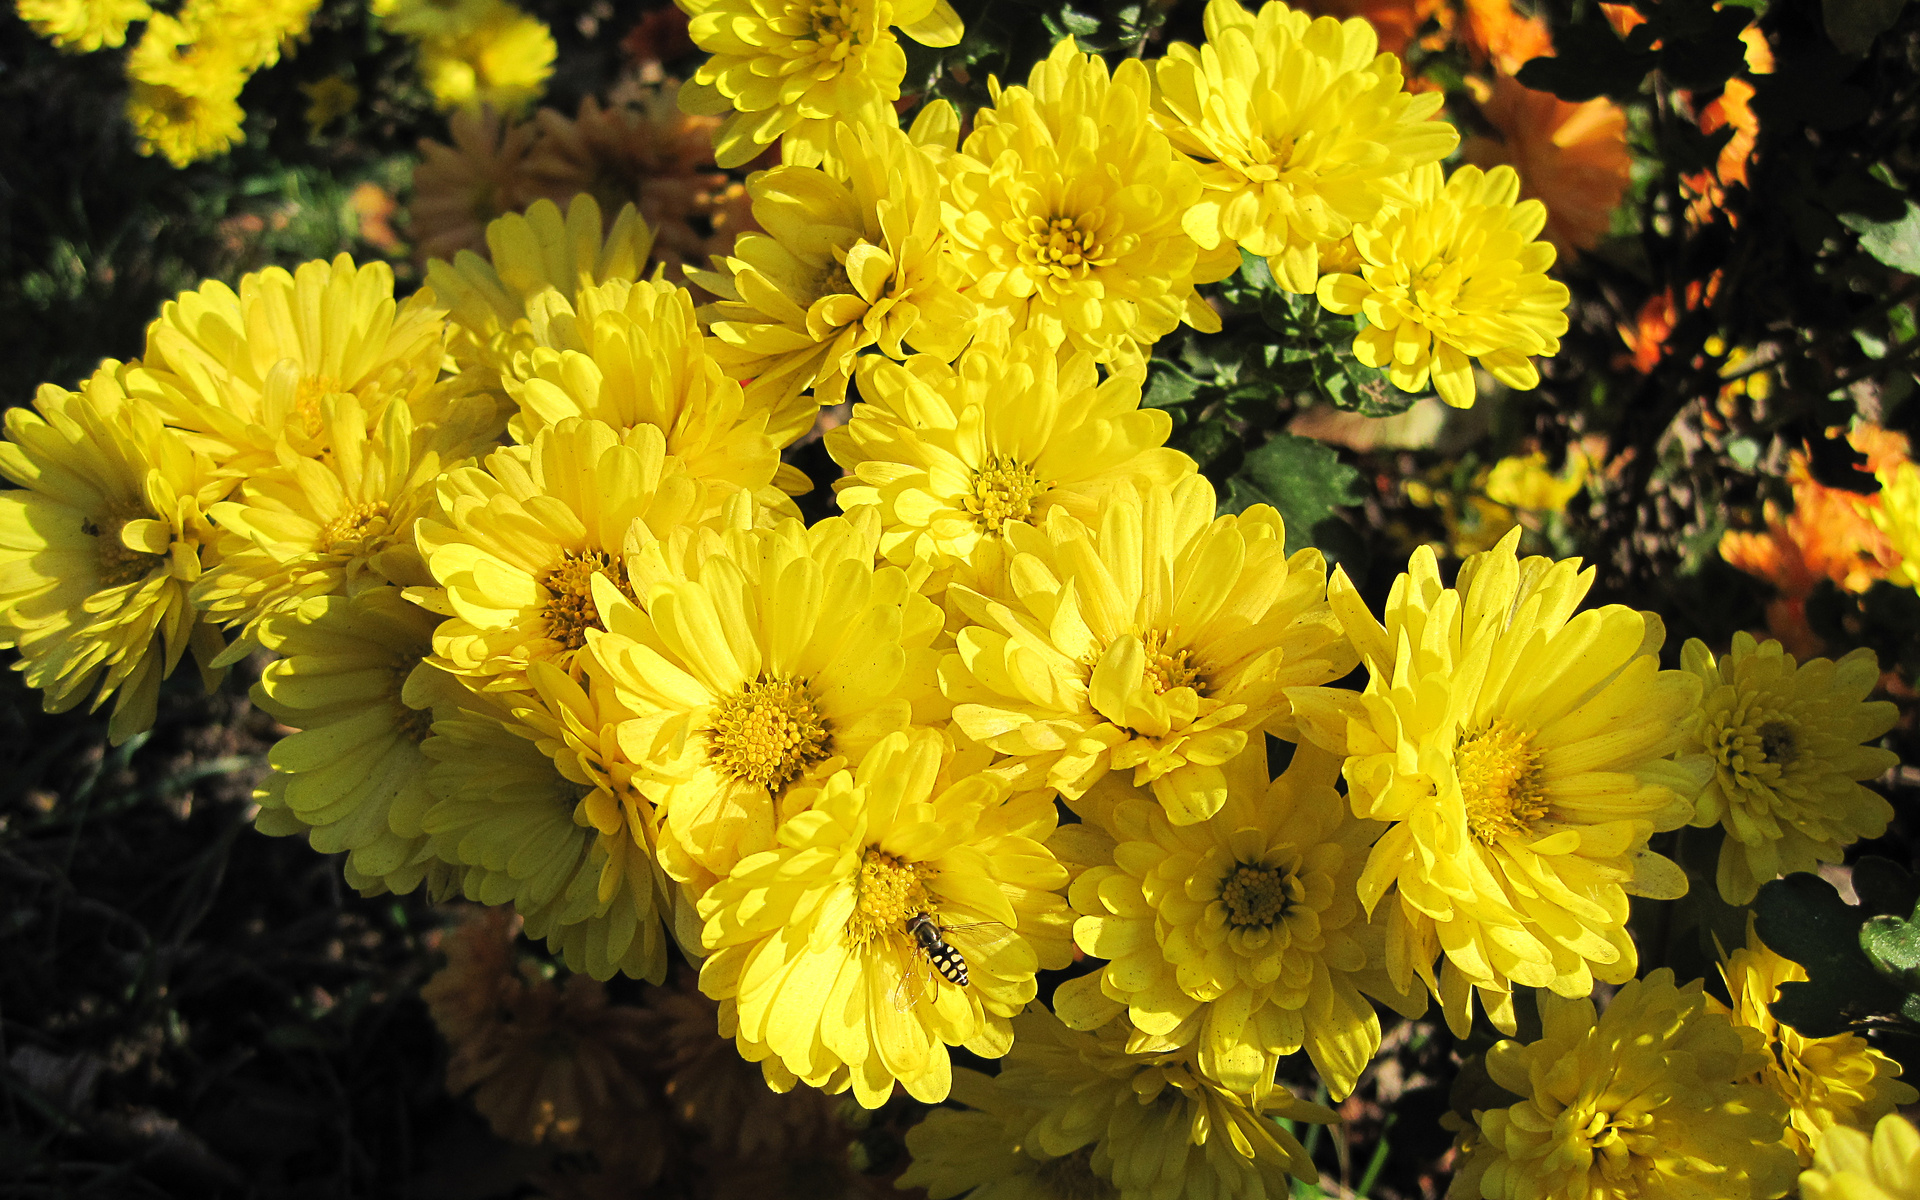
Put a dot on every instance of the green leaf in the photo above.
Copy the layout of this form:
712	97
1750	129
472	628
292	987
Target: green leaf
1306	481
1803	918
1168	385
1853	24
1893	946
1895	243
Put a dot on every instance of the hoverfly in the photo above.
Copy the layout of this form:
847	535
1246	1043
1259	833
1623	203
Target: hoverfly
933	945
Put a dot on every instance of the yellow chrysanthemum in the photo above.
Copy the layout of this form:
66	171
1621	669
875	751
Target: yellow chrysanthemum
185	125
1785	741
248	33
632	355
1521	752
1295	123
852	255
1155	641
812	940
421	19
245	373
757	662
1849	1165
333	525
1838	1080
785	70
950	453
501	59
1065	206
99	548
82	24
520	538
1096	1121
1241	935
1898	516
1449	272
329	99
535	815
1645	1101
353	680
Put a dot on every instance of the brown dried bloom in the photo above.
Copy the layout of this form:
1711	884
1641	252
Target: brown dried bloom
457	189
641	148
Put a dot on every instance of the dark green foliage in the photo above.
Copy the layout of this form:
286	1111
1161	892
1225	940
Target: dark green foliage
1857	956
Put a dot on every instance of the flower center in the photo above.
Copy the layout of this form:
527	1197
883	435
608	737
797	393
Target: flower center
1615	1140
1778	742
1060	247
120	564
569	611
1072	1178
1499	774
1167	670
834	30
888	890
1257	896
834	281
357	532
1003	490
1754	747
767	733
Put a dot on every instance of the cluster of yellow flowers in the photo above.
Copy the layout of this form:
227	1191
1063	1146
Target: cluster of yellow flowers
553	635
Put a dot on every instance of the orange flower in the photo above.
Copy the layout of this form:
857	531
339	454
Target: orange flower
1396	22
1571	157
1497	34
1733	107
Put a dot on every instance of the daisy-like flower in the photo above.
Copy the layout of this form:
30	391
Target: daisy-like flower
785	70
1849	1165
459	189
1294	123
852	255
1571	157
1838	1080
100	547
353	680
1454	272
533	814
1898	516
1155	641
519	539
501	59
813	943
244	373
645	152
1647	1100
1241	935
333	525
631	354
1065	207
188	120
82	24
949	454
1785	741
1522	753
758	662
1094	1119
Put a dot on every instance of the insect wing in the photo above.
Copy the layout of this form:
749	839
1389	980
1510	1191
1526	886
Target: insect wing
916	982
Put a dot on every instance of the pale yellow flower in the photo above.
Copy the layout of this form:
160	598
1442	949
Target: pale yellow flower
82	24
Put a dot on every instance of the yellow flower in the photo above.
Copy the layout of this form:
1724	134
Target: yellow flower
813	940
186	122
459	189
1452	271
758	662
421	19
785	70
82	24
1645	1101
1241	935
1065	206
536	816
1838	1080
502	59
1851	1166
1098	1121
249	33
100	547
1155	641
520	538
950	453
852	255
1523	481
333	525
328	100
1521	752
1786	748
352	678
245	373
1295	123
1898	516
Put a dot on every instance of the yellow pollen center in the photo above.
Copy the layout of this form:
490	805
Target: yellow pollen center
119	563
357	532
1755	747
1060	248
1615	1139
1003	490
767	733
1257	896
309	423
1499	780
888	891
834	31
1169	669
569	610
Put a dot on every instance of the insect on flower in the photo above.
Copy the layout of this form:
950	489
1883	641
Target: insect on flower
934	944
